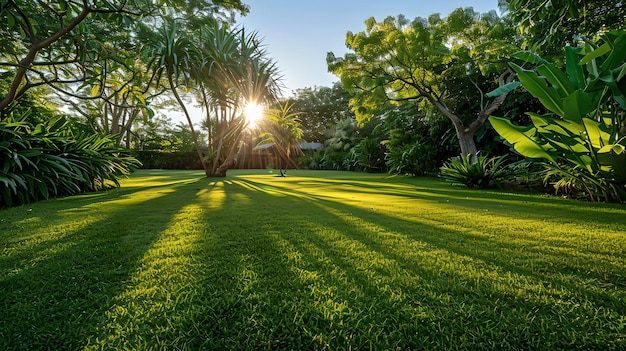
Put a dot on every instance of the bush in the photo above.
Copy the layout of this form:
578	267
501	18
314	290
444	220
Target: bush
45	160
582	138
576	182
412	159
474	171
152	159
312	159
369	155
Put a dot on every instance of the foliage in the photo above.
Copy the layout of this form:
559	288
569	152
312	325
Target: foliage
444	64
70	43
159	133
45	160
370	155
311	159
282	127
577	182
344	136
411	159
355	261
320	108
152	159
549	26
415	144
584	132
474	171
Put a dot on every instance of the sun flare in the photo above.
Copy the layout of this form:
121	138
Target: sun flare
253	113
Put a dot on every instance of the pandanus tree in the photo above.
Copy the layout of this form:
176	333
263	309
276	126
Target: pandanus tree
171	53
234	72
445	64
283	128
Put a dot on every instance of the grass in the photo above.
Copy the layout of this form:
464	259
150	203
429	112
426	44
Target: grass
315	260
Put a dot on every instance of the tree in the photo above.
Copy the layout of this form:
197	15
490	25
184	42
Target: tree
551	25
282	127
66	43
172	54
319	109
442	63
234	71
51	43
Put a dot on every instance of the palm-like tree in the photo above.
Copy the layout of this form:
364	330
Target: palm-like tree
234	70
227	68
283	128
172	53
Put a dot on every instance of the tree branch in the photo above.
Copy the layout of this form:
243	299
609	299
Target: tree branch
506	77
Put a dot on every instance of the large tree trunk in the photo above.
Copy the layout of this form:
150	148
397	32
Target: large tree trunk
466	141
466	134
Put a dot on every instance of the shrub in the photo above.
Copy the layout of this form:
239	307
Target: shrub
369	155
582	137
46	160
413	159
474	171
153	159
578	183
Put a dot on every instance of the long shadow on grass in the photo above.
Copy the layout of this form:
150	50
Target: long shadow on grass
501	207
515	203
485	245
232	296
470	271
274	284
58	282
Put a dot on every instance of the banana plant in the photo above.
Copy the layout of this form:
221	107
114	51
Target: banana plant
585	127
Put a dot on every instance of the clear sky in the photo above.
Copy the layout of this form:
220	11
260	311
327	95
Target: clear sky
299	33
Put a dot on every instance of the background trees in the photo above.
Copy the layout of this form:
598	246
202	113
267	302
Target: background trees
320	108
447	64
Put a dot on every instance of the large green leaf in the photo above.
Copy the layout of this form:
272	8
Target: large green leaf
539	88
557	78
503	89
562	135
530	57
594	54
573	68
617	42
597	137
578	105
523	139
617	164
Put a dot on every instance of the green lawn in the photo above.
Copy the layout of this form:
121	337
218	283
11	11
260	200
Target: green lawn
315	260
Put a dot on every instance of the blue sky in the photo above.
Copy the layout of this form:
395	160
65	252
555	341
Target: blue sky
299	33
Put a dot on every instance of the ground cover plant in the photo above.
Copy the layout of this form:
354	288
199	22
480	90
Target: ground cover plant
315	260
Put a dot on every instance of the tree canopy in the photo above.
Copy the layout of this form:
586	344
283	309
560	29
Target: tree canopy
550	25
446	64
67	44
